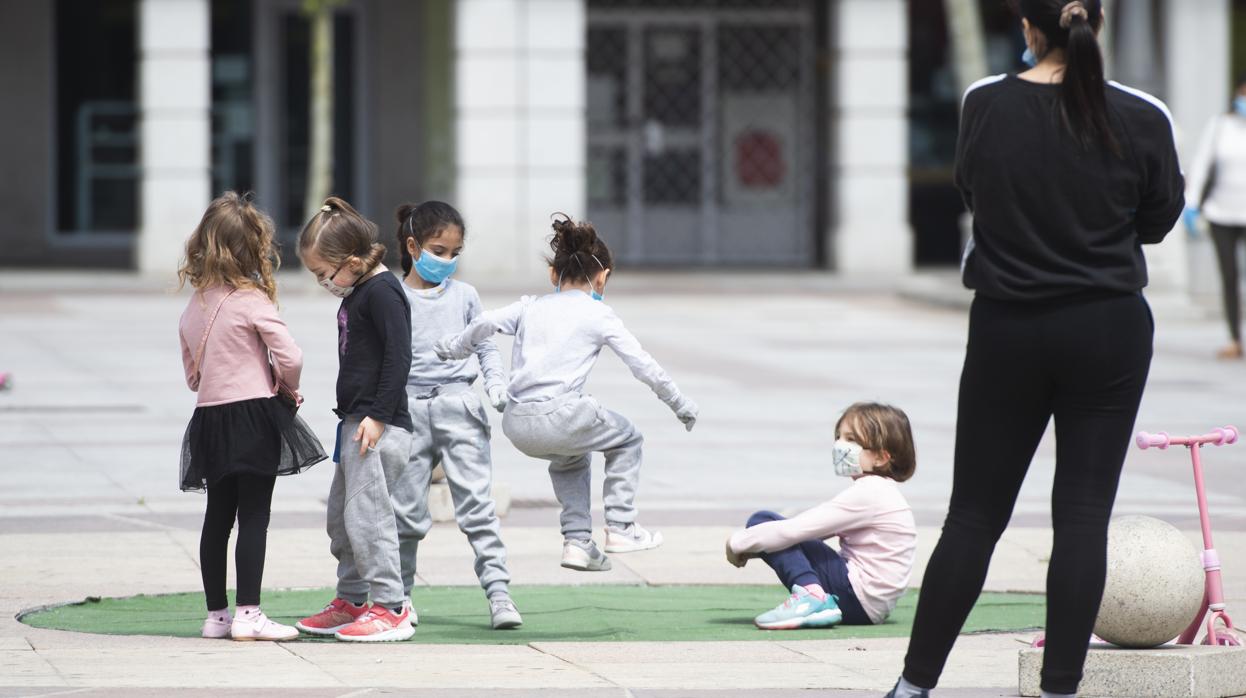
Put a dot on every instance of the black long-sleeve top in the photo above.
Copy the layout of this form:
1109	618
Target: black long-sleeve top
374	352
1050	217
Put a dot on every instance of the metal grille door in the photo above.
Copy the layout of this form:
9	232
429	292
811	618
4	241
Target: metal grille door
701	130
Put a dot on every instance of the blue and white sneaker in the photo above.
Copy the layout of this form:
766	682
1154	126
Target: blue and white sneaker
801	610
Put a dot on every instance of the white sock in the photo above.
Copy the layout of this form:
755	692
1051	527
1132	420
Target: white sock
817	591
221	616
904	689
248	610
1049	694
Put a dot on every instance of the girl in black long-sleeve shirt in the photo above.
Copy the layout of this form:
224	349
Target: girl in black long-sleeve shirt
1067	177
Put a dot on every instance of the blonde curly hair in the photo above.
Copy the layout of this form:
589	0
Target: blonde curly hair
232	245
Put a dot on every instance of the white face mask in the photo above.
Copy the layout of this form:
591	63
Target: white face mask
846	456
340	291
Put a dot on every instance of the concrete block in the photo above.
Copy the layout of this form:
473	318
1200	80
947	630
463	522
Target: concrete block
555	142
1170	671
488	140
486	81
555	82
441	504
554	24
486	25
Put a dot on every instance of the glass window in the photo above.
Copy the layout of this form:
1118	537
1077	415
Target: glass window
233	108
96	116
296	119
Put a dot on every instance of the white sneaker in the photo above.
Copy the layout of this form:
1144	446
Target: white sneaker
411	614
257	626
583	556
214	629
630	540
503	613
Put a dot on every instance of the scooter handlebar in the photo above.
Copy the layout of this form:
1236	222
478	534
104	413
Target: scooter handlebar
1220	436
1145	440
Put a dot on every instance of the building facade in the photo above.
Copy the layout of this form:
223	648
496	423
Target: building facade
804	134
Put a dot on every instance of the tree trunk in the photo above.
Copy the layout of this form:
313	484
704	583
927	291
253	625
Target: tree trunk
964	25
320	138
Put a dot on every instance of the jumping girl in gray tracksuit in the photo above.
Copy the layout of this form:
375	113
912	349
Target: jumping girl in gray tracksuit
557	340
451	426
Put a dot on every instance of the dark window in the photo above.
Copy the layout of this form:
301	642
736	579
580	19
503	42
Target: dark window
233	106
96	116
296	120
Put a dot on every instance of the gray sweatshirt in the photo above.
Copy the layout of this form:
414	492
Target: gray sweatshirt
435	313
557	340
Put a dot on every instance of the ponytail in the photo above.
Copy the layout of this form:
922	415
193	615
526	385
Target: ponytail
338	232
424	222
1074	26
578	252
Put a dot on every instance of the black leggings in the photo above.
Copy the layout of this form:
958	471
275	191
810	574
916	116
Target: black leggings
1226	238
1085	361
248	499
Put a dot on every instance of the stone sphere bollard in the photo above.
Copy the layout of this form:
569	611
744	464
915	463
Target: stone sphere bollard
1154	583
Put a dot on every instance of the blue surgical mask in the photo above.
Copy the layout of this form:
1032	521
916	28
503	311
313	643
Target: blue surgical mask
1239	105
595	295
434	269
1029	58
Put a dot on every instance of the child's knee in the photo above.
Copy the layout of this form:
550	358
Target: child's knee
761	517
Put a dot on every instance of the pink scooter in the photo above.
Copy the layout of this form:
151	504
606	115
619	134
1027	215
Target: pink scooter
1213	593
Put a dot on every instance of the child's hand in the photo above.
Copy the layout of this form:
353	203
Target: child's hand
368	433
497	397
442	348
734	557
687	413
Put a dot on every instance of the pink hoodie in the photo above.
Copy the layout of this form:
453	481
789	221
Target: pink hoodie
248	351
877	539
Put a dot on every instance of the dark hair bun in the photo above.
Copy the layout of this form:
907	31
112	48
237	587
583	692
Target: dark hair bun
578	251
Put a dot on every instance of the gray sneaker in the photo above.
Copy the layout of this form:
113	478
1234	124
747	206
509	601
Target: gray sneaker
584	556
504	614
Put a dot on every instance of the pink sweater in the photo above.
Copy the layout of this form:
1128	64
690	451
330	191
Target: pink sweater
877	539
249	346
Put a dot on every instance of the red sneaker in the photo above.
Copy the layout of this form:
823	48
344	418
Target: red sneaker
379	624
337	615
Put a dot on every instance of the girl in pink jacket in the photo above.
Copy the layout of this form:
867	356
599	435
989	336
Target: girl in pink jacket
241	360
859	583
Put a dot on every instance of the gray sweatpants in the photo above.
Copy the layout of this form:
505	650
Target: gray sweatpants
451	428
360	521
566	431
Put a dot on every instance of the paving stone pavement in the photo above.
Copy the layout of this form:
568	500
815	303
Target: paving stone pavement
89	503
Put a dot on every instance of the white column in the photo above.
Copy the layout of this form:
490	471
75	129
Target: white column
1198	85
869	180
175	127
520	123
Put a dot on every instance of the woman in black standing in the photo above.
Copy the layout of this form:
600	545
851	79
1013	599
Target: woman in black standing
1067	176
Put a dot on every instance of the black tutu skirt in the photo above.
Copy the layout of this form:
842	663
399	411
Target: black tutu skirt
258	437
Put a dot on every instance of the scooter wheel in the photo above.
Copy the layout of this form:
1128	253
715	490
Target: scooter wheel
1224	638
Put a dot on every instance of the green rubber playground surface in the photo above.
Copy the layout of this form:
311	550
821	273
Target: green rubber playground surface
551	614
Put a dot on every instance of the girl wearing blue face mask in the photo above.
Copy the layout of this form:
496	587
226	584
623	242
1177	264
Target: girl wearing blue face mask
451	427
557	340
860	583
1216	190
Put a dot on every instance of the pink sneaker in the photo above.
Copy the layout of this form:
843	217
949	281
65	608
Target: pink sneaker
217	626
379	624
254	625
337	615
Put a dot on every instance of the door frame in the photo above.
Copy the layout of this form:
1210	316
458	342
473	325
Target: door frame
269	104
809	129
